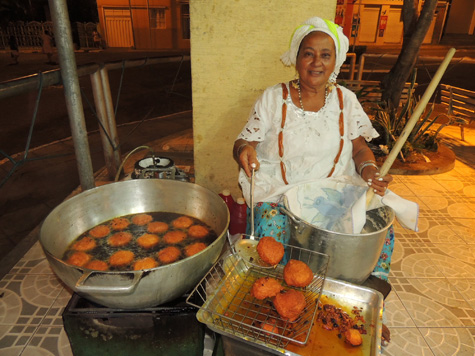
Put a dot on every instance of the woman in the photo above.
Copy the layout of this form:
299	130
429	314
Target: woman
307	129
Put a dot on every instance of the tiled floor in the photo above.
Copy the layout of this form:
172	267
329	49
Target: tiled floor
431	310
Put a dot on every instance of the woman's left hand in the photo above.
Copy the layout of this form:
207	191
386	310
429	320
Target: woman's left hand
376	182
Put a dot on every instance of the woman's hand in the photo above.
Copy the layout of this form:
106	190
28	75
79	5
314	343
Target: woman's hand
245	154
379	184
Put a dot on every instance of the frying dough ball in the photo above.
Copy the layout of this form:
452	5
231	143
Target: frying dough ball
98	265
148	240
193	249
197	231
85	244
145	263
142	219
289	304
270	250
79	258
120	223
266	287
121	258
99	231
174	237
297	273
157	227
169	254
119	239
183	222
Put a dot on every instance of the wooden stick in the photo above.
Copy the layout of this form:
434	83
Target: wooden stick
412	121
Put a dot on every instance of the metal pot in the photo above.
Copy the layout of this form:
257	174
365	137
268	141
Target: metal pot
352	256
133	289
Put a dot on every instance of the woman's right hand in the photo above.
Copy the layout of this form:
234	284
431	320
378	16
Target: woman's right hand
246	157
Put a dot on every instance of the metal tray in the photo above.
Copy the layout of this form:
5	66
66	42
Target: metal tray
228	305
343	293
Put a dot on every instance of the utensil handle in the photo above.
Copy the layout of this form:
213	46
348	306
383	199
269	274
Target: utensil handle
106	289
252	200
413	120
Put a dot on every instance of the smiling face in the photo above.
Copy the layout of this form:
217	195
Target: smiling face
316	60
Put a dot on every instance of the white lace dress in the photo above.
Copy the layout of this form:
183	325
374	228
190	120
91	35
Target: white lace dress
311	141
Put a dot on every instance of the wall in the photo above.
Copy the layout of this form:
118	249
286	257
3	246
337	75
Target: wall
235	54
126	23
460	17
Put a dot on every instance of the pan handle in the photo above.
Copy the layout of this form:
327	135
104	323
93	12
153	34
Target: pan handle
107	289
297	221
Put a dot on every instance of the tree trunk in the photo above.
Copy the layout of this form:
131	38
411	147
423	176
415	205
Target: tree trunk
415	30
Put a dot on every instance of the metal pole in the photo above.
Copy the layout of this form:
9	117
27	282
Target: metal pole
104	128
111	123
72	92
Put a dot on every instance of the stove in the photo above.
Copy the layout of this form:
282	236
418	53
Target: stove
168	329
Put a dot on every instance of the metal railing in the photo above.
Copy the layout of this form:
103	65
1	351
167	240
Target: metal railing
28	34
104	108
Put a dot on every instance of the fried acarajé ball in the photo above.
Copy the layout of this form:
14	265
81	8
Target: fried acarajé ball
79	258
141	219
174	237
148	240
157	227
97	265
198	231
99	231
119	239
169	254
121	258
85	244
145	263
193	249
270	325
183	222
120	223
297	273
353	337
289	304
266	287
270	250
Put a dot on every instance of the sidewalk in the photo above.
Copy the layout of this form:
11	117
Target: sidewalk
50	178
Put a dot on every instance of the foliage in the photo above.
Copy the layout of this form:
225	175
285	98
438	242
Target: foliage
390	123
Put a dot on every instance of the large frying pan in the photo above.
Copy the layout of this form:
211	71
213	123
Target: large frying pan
134	289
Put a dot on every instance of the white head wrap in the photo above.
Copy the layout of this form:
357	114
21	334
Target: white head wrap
317	24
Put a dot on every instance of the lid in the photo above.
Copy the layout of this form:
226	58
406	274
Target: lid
226	192
240	201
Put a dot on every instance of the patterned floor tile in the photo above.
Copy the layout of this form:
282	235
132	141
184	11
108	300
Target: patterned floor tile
449	341
427	312
407	342
466	288
395	313
465	233
462	252
411	260
402	190
14	338
442	234
49	341
28	297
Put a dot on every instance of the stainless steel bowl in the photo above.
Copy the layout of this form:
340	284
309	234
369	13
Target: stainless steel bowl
352	256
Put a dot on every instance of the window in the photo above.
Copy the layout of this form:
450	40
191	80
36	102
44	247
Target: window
185	21
157	18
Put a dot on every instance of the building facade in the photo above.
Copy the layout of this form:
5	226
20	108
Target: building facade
145	24
379	22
